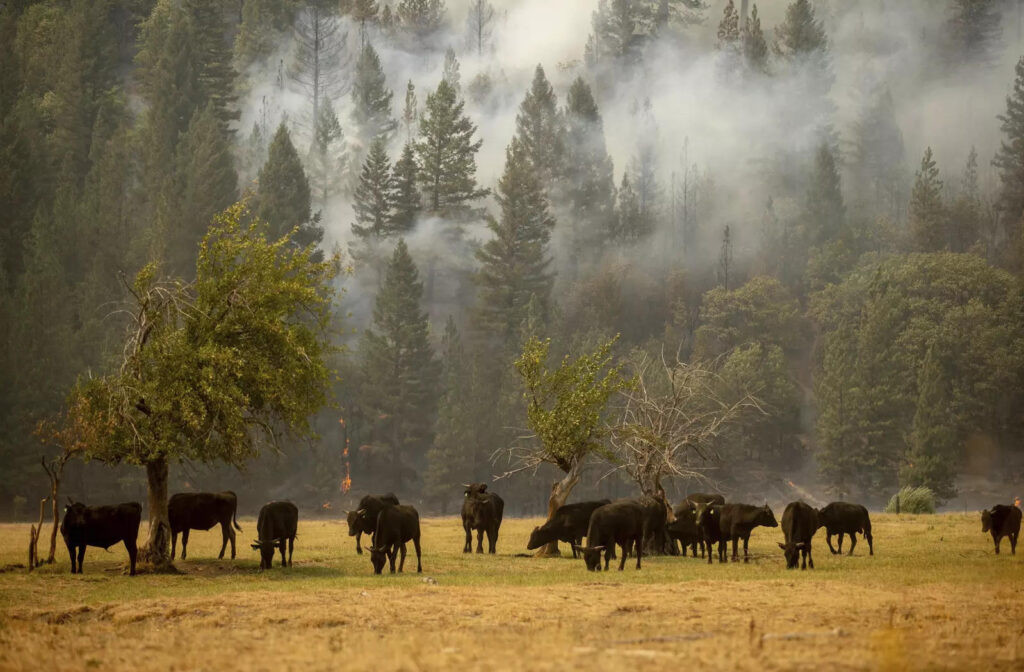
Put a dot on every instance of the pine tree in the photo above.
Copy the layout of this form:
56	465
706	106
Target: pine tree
589	178
374	198
410	112
933	457
755	47
725	259
825	210
400	371
801	35
877	156
1009	158
216	75
729	28
540	129
371	98
927	210
326	156
478	24
965	216
629	224
975	30
282	195
207	185
318	63
514	263
421	19
450	72
446	155
361	12
263	26
406	201
616	36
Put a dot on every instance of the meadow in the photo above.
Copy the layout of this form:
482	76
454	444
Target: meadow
934	596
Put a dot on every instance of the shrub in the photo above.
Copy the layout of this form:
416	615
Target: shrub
912	500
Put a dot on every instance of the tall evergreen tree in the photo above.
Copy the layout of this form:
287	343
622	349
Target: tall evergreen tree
975	31
927	210
400	371
825	210
801	34
934	452
326	156
410	112
877	156
617	35
1009	158
421	19
283	196
318	61
478	24
514	263
446	155
406	203
729	28
629	223
965	215
374	198
450	72
540	129
371	98
755	47
216	75
263	26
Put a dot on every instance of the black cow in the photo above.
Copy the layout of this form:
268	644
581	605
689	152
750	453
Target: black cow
569	524
481	511
735	522
704	498
620	522
101	526
1002	521
844	518
201	511
684	528
708	518
277	524
372	504
799	523
395	526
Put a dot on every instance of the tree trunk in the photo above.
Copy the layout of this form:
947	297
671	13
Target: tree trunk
157	549
54	492
656	542
559	493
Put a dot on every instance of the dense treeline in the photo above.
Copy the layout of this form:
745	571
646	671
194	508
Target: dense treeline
872	301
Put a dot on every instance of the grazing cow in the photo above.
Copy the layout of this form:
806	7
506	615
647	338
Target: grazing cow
799	523
736	521
372	504
277	524
569	524
481	511
704	498
395	526
1002	521
684	528
101	526
708	518
620	522
201	511
844	518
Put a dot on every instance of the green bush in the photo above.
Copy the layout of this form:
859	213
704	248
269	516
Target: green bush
912	500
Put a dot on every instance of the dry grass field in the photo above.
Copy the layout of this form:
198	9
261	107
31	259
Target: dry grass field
934	596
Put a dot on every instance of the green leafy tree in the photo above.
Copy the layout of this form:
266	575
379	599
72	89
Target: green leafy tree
400	371
760	311
213	369
927	210
282	195
446	155
514	263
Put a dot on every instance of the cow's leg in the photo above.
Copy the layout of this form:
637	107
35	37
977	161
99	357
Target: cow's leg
1013	543
416	545
735	548
840	545
281	547
639	549
468	548
871	544
995	538
746	541
401	562
133	552
224	539
810	558
492	539
291	550
828	540
231	531
625	554
392	552
480	540
184	542
81	558
359	549
71	553
707	542
853	541
174	543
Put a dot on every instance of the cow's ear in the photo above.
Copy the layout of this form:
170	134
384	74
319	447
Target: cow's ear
782	546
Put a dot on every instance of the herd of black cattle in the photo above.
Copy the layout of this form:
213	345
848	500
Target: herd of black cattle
701	521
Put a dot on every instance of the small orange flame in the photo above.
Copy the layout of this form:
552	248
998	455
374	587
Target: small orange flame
326	506
1016	502
791	484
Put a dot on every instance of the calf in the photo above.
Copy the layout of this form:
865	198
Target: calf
684	528
1002	521
620	522
799	523
481	511
844	518
737	521
708	518
372	504
277	524
569	524
395	526
201	511
101	526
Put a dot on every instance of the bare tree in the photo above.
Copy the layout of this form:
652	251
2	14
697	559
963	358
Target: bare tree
61	435
479	22
320	59
671	419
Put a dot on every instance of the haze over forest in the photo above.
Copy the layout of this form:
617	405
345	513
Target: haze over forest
819	202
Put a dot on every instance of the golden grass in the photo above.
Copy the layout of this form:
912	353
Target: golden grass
933	596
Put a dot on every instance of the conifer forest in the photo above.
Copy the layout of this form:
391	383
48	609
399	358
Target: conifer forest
309	249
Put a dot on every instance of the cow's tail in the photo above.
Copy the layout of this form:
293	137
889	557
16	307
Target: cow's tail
234	514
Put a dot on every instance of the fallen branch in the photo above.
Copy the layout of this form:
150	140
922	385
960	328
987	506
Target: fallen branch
835	632
689	637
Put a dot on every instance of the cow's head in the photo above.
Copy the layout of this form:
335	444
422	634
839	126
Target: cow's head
705	513
766	517
74	515
986	520
266	549
792	553
591	556
475	489
354	524
378	556
538	538
479	509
